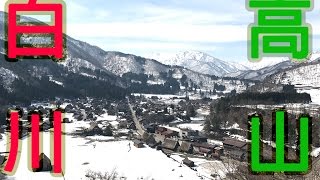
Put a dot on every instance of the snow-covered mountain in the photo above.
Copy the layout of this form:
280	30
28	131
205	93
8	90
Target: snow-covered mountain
91	71
262	73
306	75
199	62
269	66
265	62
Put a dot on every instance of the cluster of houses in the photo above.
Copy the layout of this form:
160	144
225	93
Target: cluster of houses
191	142
171	140
96	129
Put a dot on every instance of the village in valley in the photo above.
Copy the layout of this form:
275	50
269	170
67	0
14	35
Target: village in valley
148	136
149	128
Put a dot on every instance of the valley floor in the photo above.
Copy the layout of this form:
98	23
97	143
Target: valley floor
102	154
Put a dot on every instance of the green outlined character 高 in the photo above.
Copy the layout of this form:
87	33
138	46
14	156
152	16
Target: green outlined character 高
279	29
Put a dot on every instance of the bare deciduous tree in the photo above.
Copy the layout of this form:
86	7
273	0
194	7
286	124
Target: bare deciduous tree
113	175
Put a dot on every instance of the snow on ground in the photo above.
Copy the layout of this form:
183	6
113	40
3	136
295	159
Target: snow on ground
55	81
100	153
106	117
205	167
315	152
168	96
69	116
88	75
240	138
77	125
100	138
234	126
192	126
201	118
216	142
314	93
172	128
83	155
204	112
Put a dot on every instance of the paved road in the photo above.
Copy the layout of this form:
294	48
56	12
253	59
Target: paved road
139	127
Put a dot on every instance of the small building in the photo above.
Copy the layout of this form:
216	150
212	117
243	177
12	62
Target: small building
68	108
45	126
132	126
170	144
94	129
151	128
66	120
204	149
218	150
123	124
186	147
138	144
185	133
198	139
235	149
160	130
166	133
43	112
188	162
45	164
2	159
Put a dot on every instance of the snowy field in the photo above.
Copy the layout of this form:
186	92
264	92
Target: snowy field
192	126
83	155
314	93
105	154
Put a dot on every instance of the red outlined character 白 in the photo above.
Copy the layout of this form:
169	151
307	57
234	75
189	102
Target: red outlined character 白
15	29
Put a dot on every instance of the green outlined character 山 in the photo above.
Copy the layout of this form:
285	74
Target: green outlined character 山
279	29
280	163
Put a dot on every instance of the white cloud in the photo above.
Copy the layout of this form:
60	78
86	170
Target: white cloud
161	31
151	46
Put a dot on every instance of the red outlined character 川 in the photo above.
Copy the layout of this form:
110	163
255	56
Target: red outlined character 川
17	131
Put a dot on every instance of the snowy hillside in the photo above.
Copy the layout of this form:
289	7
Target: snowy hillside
95	67
119	64
268	66
208	82
261	74
199	62
265	62
305	77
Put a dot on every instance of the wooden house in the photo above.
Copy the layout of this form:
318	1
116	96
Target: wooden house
2	159
166	133
188	162
138	144
235	149
186	147
198	139
185	133
204	149
170	144
94	129
45	164
66	120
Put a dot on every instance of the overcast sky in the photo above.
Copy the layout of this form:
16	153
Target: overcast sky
141	27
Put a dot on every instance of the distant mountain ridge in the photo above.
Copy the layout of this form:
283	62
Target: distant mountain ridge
262	73
199	62
271	66
91	71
